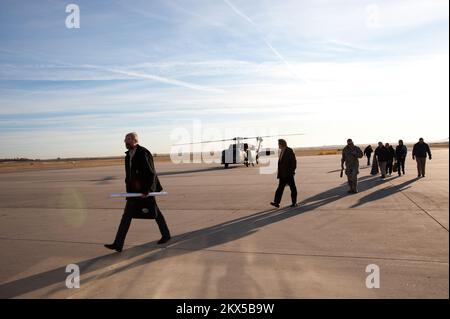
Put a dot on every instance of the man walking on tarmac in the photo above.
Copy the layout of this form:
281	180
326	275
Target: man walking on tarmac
350	156
400	154
140	178
419	153
368	152
287	164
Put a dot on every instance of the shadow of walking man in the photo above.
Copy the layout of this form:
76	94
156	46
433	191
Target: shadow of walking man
384	192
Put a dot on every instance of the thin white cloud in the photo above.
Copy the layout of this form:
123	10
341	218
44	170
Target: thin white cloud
423	77
157	79
14	70
342	46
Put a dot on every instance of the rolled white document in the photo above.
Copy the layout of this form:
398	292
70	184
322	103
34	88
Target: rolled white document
138	194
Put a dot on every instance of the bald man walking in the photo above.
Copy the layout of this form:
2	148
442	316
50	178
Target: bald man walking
140	178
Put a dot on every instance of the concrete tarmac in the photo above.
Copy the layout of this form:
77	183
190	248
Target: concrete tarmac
227	241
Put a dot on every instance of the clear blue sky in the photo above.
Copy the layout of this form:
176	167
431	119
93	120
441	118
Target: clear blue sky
370	70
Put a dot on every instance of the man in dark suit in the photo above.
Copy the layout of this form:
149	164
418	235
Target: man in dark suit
400	154
368	152
382	157
419	153
287	164
391	158
140	178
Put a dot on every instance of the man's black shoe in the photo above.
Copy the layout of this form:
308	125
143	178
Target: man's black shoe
163	240
113	247
294	205
275	204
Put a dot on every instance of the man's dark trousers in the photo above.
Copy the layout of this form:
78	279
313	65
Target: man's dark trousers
126	221
401	165
282	184
389	166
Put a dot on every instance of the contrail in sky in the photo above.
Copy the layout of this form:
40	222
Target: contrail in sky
270	46
156	78
41	57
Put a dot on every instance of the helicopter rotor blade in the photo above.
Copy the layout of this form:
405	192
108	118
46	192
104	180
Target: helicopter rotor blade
237	139
248	138
202	142
283	135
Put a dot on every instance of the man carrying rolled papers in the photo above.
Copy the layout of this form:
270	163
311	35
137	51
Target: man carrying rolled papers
140	178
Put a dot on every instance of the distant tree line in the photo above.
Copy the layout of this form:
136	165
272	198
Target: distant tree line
18	159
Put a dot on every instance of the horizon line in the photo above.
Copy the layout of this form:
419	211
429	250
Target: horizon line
158	154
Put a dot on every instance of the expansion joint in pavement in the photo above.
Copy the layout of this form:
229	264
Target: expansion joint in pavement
420	207
314	255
